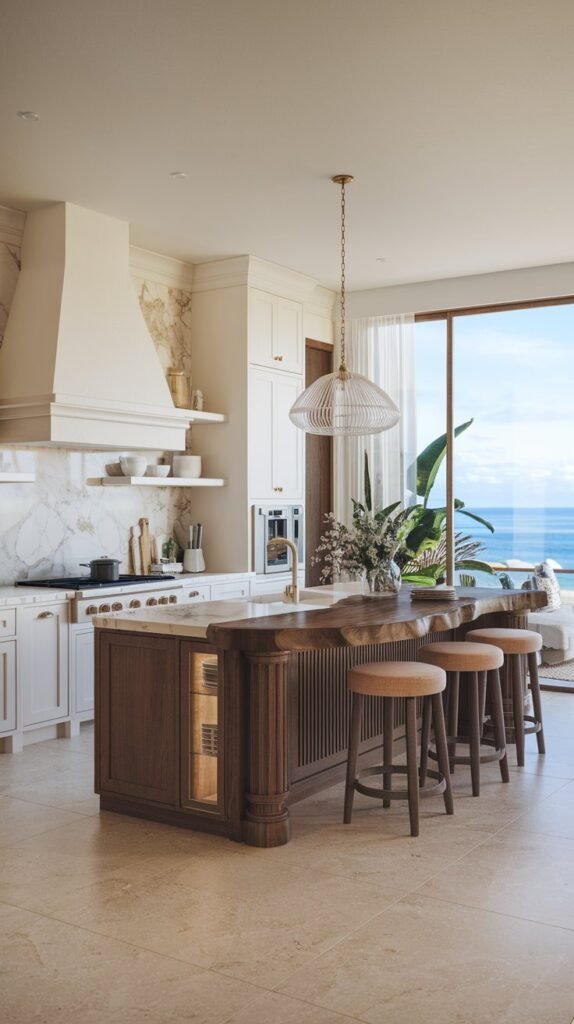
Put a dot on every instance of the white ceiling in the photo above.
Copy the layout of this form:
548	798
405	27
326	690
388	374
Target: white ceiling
455	116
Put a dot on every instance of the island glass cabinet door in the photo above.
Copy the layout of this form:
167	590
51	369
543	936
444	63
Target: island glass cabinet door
200	726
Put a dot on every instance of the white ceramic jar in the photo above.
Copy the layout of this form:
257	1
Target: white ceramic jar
187	466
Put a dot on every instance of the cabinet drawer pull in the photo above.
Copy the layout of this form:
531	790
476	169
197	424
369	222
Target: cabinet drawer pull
278	489
193	593
46	615
278	359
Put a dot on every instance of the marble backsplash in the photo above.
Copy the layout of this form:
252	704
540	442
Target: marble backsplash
48	527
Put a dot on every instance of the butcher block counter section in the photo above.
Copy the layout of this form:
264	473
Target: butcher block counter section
218	716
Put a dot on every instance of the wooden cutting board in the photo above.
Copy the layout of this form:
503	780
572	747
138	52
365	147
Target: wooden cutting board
145	546
135	550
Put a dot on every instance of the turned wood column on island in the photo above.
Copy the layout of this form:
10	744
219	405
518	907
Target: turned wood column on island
266	822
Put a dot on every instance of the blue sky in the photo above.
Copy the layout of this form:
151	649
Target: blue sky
514	373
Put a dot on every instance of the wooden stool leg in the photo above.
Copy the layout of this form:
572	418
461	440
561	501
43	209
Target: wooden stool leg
482	686
388	723
517	705
453	686
354	740
474	732
425	739
495	690
536	701
412	773
442	749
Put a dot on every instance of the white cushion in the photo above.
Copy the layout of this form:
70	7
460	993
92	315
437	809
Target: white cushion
555	627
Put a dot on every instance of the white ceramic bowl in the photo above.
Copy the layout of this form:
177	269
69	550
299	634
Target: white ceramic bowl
154	470
187	466
133	465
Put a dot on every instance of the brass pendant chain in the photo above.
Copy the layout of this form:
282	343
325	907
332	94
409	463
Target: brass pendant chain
342	180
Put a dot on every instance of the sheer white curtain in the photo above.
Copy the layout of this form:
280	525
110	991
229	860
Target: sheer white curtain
383	349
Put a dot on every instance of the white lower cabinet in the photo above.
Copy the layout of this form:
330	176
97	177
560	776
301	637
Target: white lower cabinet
229	591
7	686
82	671
43	663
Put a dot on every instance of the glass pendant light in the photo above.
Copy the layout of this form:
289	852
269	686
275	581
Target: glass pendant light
344	403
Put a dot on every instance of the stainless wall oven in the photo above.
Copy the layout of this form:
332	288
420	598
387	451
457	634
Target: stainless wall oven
270	523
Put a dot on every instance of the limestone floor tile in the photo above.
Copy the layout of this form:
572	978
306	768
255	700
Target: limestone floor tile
52	973
256	938
20	820
425	961
527	875
37	873
276	1008
55	787
387	855
552	817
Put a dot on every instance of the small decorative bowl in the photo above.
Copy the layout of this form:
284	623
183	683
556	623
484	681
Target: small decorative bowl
133	465
114	469
154	470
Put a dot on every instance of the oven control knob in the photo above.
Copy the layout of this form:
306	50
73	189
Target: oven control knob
163	600
92	609
104	608
117	606
151	601
173	599
135	604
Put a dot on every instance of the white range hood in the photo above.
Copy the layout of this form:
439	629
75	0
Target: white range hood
78	367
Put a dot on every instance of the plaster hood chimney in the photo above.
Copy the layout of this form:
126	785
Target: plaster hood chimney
78	367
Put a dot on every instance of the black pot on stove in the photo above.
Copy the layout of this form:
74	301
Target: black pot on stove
103	570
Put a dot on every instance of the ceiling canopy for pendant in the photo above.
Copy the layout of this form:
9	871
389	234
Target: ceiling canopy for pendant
344	403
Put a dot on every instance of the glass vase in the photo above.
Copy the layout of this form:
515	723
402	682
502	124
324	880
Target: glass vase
384	580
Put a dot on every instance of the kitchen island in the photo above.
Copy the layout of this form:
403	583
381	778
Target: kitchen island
217	716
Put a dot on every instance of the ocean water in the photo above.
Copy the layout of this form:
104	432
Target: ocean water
529	534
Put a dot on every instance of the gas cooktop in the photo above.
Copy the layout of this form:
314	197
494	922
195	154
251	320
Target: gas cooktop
85	583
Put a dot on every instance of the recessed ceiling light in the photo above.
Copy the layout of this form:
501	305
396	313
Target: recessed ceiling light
381	259
28	115
178	174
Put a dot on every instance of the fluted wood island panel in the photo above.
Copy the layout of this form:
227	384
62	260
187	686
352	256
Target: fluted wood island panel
254	711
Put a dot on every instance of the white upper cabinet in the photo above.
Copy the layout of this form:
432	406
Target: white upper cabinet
275	446
275	332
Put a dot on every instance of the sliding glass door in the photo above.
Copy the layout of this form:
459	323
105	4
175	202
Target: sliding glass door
512	377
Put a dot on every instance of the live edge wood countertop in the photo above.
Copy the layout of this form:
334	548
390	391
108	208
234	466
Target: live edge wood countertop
358	619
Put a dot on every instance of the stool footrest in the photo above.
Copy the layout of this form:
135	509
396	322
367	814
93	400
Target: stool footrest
535	727
396	794
496	754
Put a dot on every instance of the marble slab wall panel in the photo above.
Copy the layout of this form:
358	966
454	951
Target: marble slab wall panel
48	527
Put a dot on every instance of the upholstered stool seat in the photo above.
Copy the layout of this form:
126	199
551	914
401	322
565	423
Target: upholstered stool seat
478	665
515	644
391	680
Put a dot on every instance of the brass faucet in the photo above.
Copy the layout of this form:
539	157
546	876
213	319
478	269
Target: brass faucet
292	589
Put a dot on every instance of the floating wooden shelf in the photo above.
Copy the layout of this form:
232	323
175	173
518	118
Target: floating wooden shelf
159	481
17	478
195	416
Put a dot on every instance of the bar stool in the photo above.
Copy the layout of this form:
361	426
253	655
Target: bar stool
460	658
514	643
390	680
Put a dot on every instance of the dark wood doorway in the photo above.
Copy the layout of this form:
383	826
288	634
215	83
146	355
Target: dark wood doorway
318	463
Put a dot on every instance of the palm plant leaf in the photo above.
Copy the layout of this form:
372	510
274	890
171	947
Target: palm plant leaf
429	461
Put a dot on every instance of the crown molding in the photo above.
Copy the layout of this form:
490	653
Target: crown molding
152	266
243	271
11	225
322	303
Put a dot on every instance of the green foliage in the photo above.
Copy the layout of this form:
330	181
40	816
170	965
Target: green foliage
429	462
